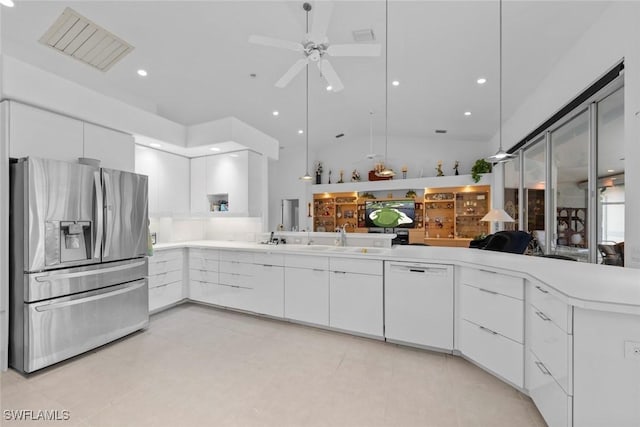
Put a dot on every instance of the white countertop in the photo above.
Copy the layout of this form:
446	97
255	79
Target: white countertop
592	286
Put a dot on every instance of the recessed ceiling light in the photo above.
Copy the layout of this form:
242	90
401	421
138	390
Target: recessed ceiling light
481	81
329	87
214	149
155	145
8	3
233	155
467	113
609	170
275	113
142	73
300	131
395	83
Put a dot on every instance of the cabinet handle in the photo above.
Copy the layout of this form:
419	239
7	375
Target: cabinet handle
488	291
318	269
544	291
543	316
488	330
542	368
267	265
340	272
415	270
489	271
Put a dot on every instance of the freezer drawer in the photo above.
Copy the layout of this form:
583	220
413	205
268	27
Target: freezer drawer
60	328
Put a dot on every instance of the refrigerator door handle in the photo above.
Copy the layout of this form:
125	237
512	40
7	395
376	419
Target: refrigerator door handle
54	277
99	215
108	207
108	294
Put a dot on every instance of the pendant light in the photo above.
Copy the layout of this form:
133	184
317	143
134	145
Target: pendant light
307	177
386	172
501	156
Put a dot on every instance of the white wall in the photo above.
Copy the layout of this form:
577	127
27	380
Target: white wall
616	35
4	226
419	155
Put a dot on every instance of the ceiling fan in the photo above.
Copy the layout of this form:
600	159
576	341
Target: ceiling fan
315	46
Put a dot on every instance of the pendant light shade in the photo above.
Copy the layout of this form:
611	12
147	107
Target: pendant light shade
306	177
501	156
386	172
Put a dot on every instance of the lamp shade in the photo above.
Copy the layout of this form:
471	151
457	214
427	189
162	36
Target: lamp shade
497	215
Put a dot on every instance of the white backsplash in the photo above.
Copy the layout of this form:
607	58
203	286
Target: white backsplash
170	230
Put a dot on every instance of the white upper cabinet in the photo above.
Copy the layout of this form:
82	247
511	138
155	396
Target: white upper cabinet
115	150
40	133
168	180
232	177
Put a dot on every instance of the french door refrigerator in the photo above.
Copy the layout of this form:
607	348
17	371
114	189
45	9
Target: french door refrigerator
78	276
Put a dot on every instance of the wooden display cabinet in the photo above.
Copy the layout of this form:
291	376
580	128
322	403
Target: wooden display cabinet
335	210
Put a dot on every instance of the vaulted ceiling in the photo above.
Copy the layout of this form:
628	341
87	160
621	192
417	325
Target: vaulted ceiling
199	61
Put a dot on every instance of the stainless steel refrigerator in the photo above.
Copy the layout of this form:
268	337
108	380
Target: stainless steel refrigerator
78	276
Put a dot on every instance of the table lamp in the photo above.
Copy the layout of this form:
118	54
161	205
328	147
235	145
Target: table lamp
497	216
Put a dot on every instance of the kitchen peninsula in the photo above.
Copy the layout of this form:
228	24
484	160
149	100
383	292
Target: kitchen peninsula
541	328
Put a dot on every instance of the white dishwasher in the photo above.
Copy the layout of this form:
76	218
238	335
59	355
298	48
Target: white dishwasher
418	303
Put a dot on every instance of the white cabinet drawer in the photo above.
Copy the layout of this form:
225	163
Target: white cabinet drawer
164	266
552	402
235	279
497	312
207	292
204	264
493	281
212	254
552	346
306	296
239	256
235	267
493	351
307	261
352	265
165	295
165	278
551	306
203	275
163	255
266	258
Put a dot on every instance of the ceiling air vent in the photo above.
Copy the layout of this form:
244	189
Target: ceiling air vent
76	36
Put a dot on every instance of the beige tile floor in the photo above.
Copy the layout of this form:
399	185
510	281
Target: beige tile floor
198	366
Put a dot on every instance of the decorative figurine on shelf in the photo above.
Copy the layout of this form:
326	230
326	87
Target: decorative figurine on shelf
329	176
355	176
455	167
439	169
319	173
341	180
404	171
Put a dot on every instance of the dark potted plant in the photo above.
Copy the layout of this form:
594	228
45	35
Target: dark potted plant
479	167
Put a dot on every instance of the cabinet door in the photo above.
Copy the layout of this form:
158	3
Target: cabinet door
228	174
146	164
39	133
173	183
199	202
114	149
419	304
306	295
355	303
268	290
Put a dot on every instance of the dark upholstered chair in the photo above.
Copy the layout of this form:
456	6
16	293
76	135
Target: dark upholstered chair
480	243
514	242
611	255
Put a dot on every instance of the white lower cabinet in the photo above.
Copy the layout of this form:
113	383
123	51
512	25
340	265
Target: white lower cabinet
165	279
356	299
550	399
419	304
268	289
490	321
306	295
164	295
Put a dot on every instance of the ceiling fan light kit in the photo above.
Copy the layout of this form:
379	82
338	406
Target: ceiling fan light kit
315	46
501	156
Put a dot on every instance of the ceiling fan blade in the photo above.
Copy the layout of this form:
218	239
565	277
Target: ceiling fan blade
271	42
321	14
292	72
330	75
354	50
